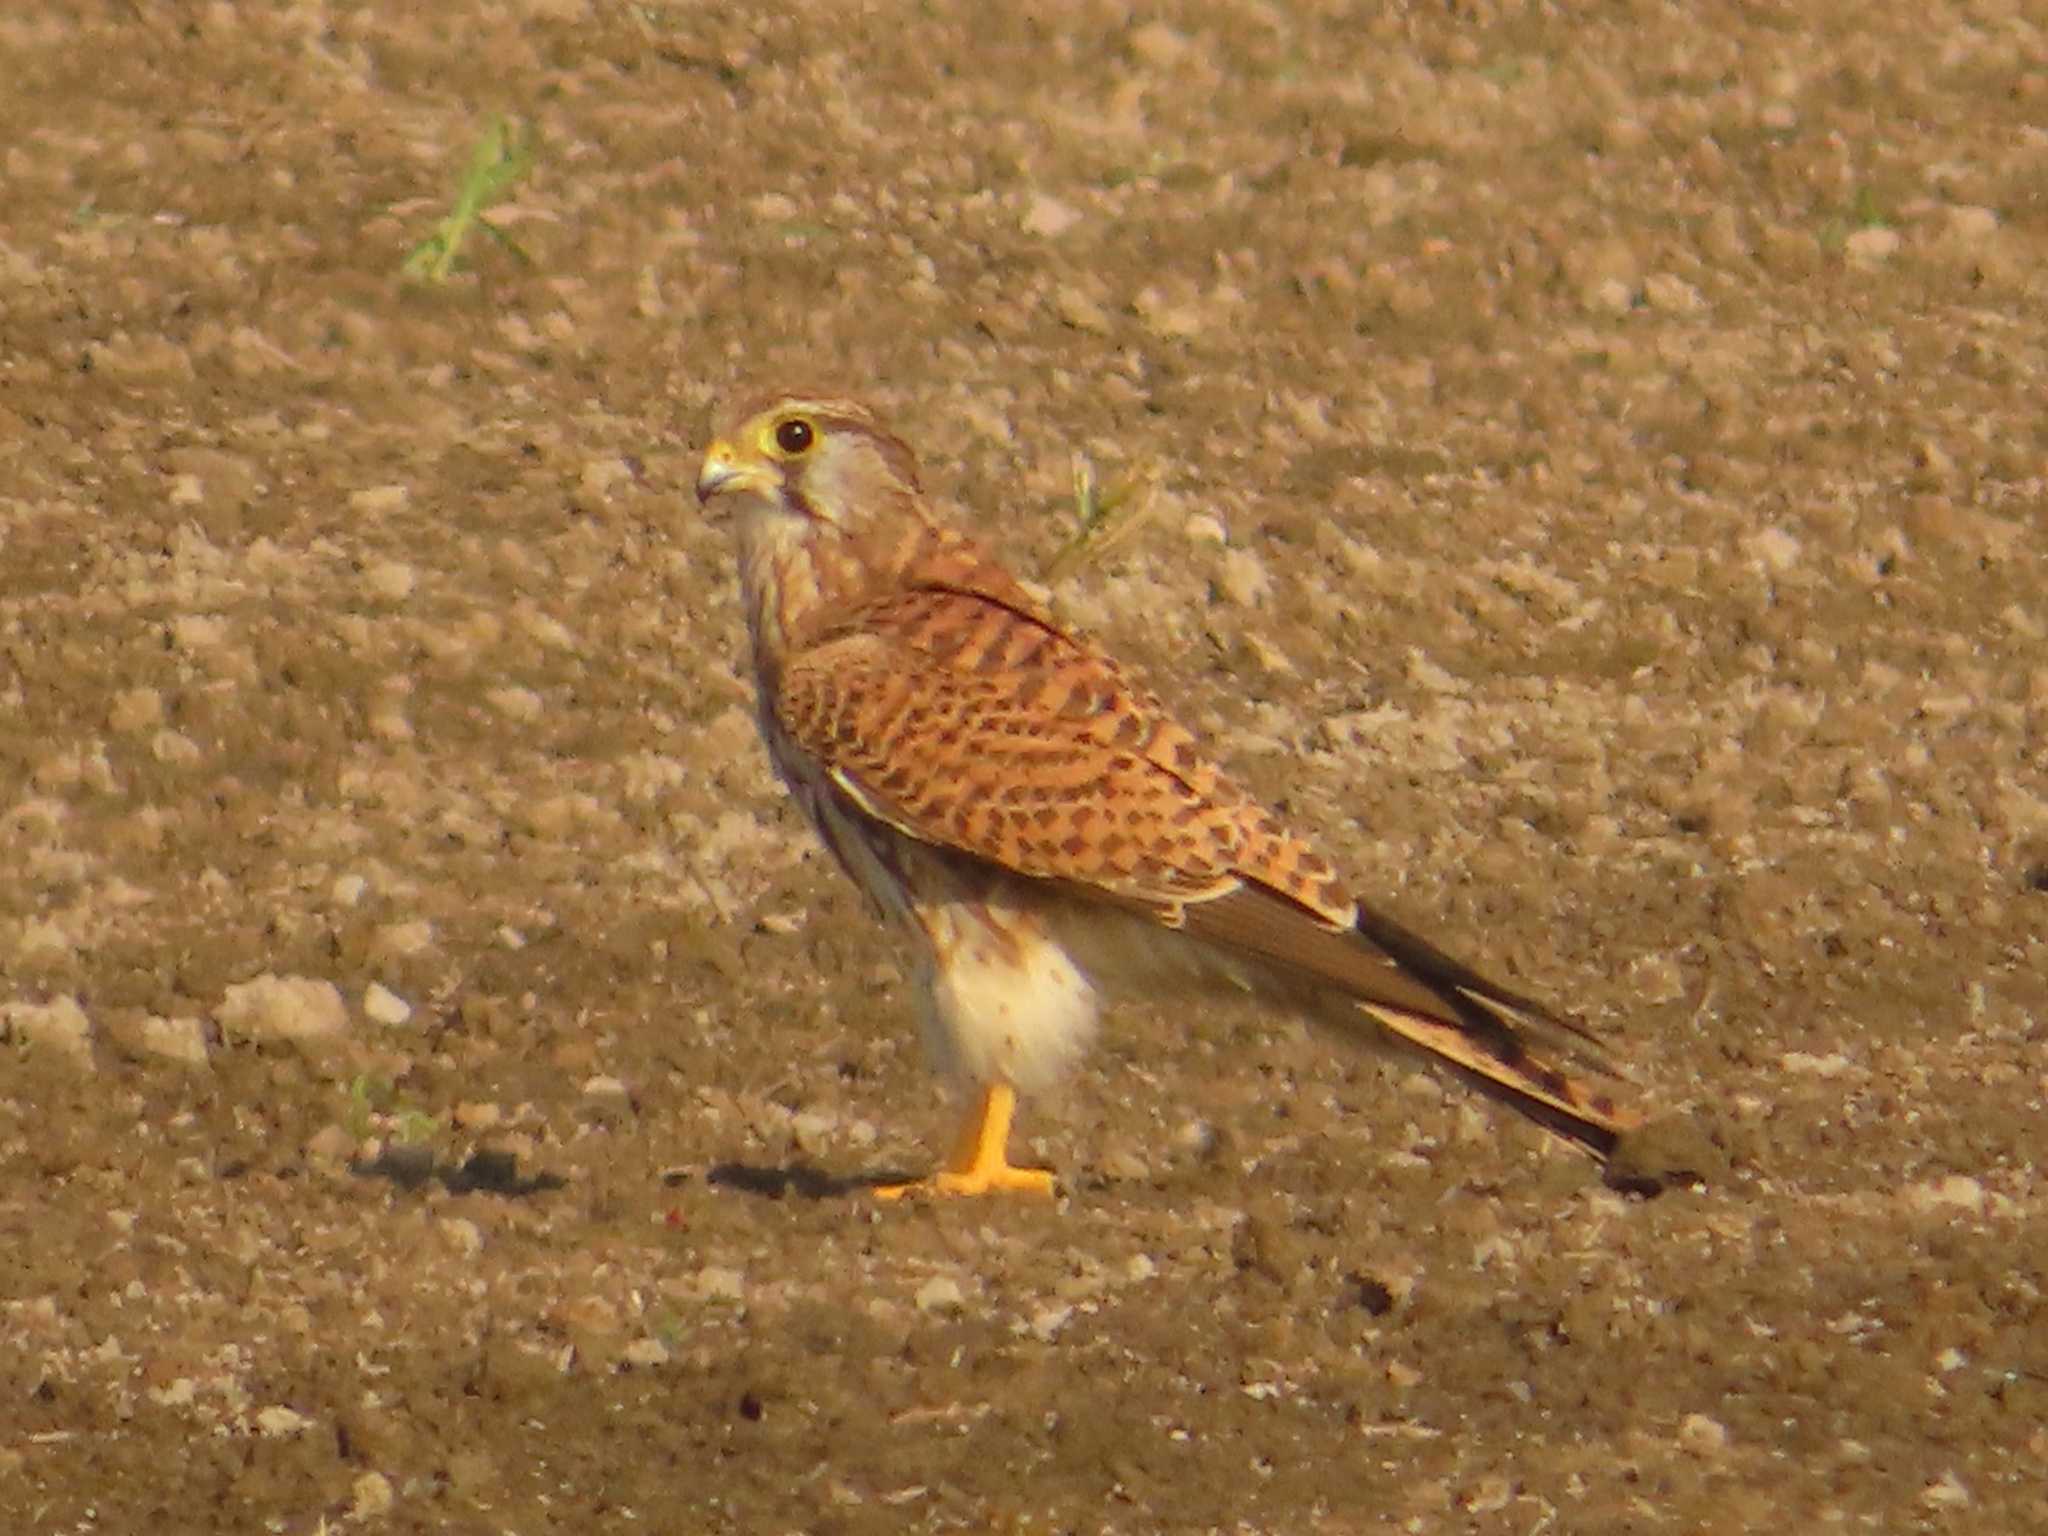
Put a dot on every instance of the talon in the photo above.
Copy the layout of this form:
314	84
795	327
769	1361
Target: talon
980	1163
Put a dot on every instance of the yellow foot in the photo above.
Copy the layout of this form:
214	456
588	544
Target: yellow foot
980	1164
983	1181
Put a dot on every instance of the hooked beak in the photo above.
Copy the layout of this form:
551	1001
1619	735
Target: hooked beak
726	471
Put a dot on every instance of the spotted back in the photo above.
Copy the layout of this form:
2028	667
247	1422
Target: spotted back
970	723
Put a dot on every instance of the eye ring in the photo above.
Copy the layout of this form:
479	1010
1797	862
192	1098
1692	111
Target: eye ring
795	435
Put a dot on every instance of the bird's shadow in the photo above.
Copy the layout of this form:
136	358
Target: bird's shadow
485	1172
804	1180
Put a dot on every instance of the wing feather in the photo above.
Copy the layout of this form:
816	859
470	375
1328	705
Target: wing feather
970	725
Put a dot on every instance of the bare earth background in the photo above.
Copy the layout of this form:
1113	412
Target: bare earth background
1605	490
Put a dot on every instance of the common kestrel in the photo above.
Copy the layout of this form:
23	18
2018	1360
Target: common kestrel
1037	824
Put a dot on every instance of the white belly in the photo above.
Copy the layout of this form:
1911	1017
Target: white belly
1001	1002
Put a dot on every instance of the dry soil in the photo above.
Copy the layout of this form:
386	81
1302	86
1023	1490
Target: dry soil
1603	490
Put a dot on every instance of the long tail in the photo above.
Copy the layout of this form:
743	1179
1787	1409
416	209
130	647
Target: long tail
1395	987
1491	1041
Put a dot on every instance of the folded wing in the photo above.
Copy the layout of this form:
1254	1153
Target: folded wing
968	720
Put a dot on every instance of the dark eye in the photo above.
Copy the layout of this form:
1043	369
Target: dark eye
794	435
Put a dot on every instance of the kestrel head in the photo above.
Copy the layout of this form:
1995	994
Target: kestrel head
823	461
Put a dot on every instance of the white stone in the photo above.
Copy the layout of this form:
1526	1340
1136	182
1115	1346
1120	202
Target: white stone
1966	221
1945	1492
1671	295
1611	295
1242	578
381	1005
521	704
389	580
283	1008
370	1495
940	1294
136	709
647	1353
1046	1322
181	1039
278	1421
1869	247
1702	1436
403	940
379	500
716	1282
1049	218
1957	1192
1773	548
59	1024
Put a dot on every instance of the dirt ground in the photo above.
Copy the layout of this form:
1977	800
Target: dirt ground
1604	492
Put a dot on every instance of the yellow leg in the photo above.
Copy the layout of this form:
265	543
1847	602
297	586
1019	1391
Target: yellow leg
980	1163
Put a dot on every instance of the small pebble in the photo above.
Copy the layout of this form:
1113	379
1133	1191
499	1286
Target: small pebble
279	1421
1241	578
1121	1165
400	941
370	1495
1945	1492
940	1294
174	748
1869	247
379	500
717	1282
1046	1322
1610	295
1671	295
389	581
330	1144
1076	309
383	1006
646	1353
1049	218
1956	1192
520	704
1702	1436
135	710
479	1116
283	1008
1968	222
181	1039
59	1024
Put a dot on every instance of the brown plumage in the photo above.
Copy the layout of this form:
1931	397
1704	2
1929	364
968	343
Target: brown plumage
1035	821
